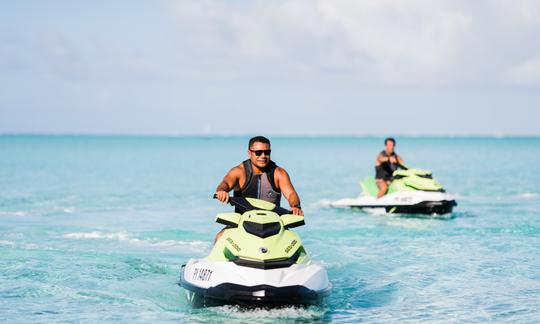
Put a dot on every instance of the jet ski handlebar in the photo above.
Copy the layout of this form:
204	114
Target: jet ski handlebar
243	204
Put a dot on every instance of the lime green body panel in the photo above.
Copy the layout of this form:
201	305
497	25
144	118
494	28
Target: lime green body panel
422	183
261	204
237	243
406	180
289	220
261	216
369	186
399	185
411	172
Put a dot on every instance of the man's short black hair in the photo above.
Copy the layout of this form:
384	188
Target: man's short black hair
260	139
389	139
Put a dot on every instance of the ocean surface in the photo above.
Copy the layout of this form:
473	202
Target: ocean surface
95	229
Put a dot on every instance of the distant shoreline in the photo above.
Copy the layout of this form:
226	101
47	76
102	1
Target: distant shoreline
275	136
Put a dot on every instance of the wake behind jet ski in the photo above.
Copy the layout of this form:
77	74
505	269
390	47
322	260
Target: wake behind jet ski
411	191
257	261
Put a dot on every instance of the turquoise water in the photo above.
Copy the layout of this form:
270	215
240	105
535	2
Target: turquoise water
96	228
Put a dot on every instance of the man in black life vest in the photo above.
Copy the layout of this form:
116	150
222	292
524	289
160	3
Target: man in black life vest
387	162
259	177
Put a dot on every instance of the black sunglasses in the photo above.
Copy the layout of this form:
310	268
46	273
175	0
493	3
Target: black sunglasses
259	152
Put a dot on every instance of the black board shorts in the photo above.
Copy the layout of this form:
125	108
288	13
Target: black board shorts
382	174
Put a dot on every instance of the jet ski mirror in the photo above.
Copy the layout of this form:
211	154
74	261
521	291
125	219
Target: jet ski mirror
290	221
228	219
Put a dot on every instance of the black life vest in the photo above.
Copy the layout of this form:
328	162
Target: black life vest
386	169
261	186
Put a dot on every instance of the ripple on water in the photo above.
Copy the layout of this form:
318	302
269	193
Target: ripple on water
97	232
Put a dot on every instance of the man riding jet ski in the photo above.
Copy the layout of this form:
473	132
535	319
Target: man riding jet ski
259	177
256	261
411	191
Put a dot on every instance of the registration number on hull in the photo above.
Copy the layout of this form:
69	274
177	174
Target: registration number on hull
202	274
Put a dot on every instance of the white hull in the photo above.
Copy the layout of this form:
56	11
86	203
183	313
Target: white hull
226	280
411	201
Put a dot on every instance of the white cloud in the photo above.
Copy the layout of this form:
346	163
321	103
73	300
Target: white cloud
383	41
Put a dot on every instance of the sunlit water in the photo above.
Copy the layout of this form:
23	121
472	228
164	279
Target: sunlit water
96	228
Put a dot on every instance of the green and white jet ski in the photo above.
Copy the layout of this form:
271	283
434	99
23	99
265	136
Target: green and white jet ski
411	191
257	261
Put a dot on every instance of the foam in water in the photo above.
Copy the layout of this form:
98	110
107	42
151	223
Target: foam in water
281	313
15	213
528	195
7	243
132	239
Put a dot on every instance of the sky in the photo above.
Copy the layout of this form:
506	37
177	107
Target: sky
301	67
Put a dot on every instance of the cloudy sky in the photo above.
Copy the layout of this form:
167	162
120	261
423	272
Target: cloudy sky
327	67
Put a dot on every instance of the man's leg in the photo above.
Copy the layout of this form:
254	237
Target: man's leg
219	234
383	186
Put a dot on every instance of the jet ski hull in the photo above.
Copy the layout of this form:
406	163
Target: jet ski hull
425	207
211	283
414	202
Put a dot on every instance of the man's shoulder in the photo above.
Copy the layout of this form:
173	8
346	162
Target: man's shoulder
240	167
237	170
279	171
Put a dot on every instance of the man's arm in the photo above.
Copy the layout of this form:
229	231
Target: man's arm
400	160
284	184
227	184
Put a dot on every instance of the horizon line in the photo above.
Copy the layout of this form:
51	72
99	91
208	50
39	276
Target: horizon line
238	135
